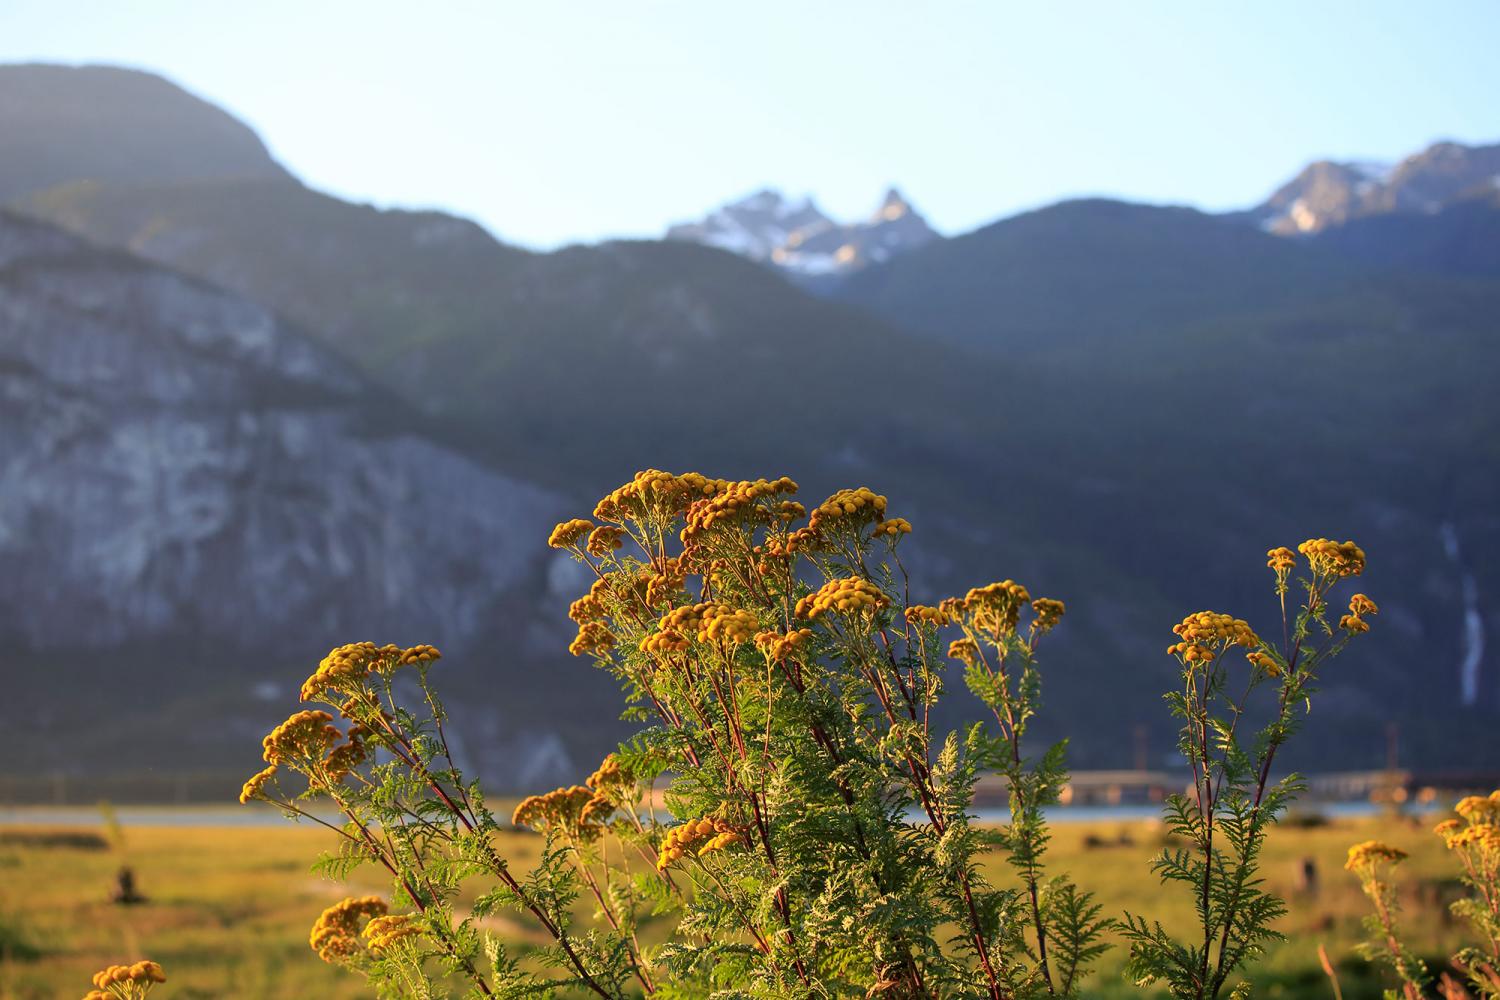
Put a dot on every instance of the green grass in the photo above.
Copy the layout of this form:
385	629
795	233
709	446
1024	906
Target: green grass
230	908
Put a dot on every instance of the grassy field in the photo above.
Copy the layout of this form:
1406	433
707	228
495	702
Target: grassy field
229	907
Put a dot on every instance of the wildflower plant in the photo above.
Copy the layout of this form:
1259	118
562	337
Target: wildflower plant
1234	802
826	844
818	836
1472	837
1476	845
1372	861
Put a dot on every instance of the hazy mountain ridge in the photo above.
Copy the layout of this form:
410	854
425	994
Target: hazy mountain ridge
1033	398
1080	271
104	123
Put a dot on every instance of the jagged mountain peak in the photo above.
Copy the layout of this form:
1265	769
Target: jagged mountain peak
892	207
1329	193
797	237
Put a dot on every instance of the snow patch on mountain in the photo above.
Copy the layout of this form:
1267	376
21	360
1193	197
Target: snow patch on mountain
796	236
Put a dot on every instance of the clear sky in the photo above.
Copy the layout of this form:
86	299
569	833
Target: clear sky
553	121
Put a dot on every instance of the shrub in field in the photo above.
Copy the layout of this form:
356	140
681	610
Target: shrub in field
818	836
1473	838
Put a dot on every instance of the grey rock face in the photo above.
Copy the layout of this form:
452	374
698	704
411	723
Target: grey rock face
175	458
1327	194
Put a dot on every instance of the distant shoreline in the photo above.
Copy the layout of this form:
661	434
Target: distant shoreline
252	816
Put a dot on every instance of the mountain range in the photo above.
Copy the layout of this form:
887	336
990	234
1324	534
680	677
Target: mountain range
245	421
798	239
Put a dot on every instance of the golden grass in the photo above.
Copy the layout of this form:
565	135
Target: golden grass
230	908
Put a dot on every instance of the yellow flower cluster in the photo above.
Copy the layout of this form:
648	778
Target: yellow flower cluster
666	641
993	609
654	494
1281	559
342	759
848	508
304	736
344	668
335	935
661	586
567	534
1367	856
383	932
699	837
570	809
126	981
605	539
593	638
1478	835
803	540
1214	627
780	647
964	650
418	654
1354	622
611	779
586	609
1202	631
1191	652
1048	613
1265	661
789	510
706	621
893	529
1479	808
850	595
1330	558
1483	836
255	786
734	502
726	624
916	613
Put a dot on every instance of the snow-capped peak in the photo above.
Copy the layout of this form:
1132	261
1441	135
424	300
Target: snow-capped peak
795	235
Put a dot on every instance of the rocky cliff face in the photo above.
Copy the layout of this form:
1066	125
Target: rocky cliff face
1327	194
174	458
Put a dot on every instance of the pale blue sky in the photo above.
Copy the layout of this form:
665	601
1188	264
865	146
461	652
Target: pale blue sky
556	121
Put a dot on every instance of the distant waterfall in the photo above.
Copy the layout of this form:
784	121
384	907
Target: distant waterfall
1471	642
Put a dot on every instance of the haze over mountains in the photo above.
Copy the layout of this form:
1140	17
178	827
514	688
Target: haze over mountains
245	421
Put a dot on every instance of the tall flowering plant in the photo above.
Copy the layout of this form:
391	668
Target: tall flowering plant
818	836
1234	802
1472	837
826	845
